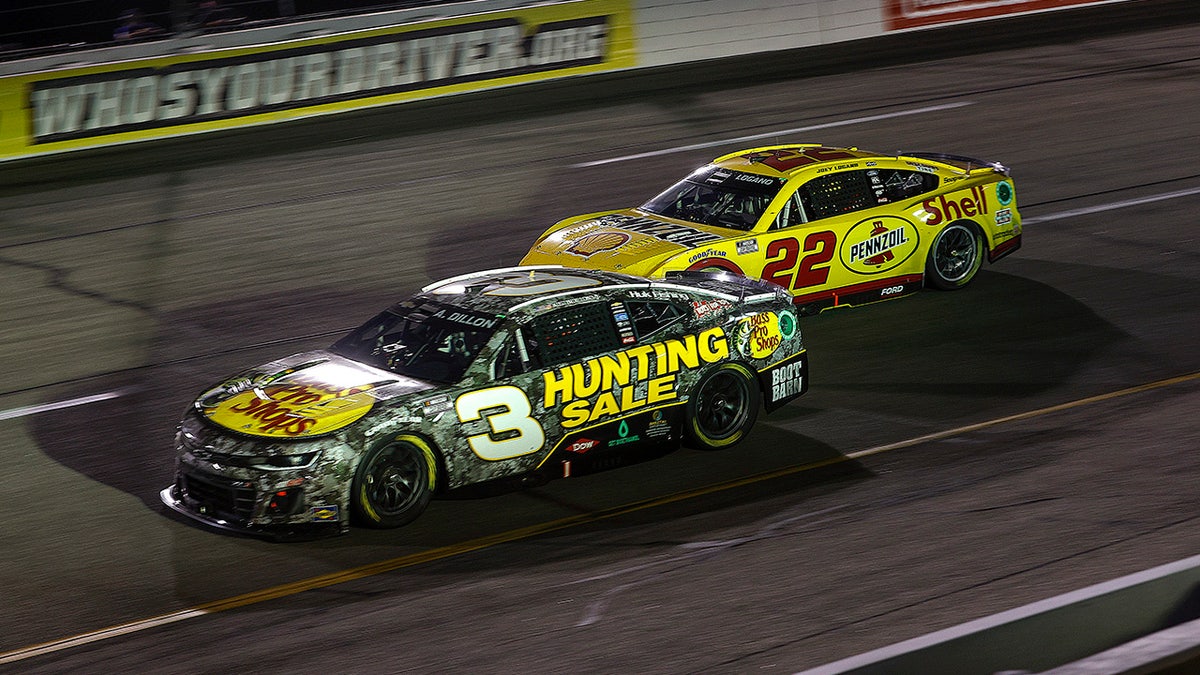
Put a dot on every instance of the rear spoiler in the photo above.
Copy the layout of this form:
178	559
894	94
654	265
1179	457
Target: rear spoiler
961	162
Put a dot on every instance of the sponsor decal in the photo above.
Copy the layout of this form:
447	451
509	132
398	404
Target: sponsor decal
747	246
1003	217
787	381
787	324
321	514
707	253
436	405
580	446
921	167
597	242
173	92
634	378
658	426
961	205
891	290
901	14
703	308
673	233
298	407
878	244
1004	193
758	336
623	436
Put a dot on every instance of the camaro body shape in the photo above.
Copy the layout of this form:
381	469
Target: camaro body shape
501	374
832	226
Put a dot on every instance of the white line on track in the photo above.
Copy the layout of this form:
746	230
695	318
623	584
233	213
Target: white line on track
486	542
47	407
1030	220
96	636
1110	206
770	134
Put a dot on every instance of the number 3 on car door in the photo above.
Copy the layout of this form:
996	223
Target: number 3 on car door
507	410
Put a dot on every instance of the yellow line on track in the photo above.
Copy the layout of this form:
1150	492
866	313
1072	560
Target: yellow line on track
432	555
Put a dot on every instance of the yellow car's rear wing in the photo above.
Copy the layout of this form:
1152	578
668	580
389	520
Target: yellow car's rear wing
958	162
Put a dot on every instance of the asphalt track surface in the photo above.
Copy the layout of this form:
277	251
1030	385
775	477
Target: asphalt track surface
138	276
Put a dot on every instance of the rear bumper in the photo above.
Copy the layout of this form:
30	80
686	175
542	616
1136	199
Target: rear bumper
1000	250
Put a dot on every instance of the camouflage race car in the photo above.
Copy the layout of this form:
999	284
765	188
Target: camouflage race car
833	226
514	373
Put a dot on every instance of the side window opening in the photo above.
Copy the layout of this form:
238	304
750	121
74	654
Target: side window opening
791	214
573	333
894	185
512	357
837	193
651	316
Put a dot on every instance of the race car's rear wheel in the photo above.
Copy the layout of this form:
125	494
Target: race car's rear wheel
723	408
955	256
394	482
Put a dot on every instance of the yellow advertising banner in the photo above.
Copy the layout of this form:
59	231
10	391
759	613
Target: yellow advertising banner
174	95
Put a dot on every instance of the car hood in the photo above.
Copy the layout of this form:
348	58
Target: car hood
301	396
629	241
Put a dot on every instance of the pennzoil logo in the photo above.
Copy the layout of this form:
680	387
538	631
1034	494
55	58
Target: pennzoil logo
597	242
878	244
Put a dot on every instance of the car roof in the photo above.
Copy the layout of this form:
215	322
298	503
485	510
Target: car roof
786	161
794	159
477	291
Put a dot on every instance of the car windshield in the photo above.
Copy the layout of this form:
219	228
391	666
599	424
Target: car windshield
715	196
421	339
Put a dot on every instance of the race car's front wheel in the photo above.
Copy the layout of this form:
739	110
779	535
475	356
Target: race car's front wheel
955	256
394	482
723	408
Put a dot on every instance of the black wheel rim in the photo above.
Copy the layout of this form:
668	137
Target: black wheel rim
955	253
393	480
722	407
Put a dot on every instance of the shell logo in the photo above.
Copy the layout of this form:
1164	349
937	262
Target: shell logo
879	244
597	242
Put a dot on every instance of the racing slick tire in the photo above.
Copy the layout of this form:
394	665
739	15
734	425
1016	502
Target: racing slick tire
394	482
955	256
723	408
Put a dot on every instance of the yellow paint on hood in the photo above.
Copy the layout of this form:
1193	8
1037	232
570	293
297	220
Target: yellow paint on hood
311	401
624	241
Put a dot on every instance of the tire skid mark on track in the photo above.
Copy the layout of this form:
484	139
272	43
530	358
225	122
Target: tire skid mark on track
689	553
531	531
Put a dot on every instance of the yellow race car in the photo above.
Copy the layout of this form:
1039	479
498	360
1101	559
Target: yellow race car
833	226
